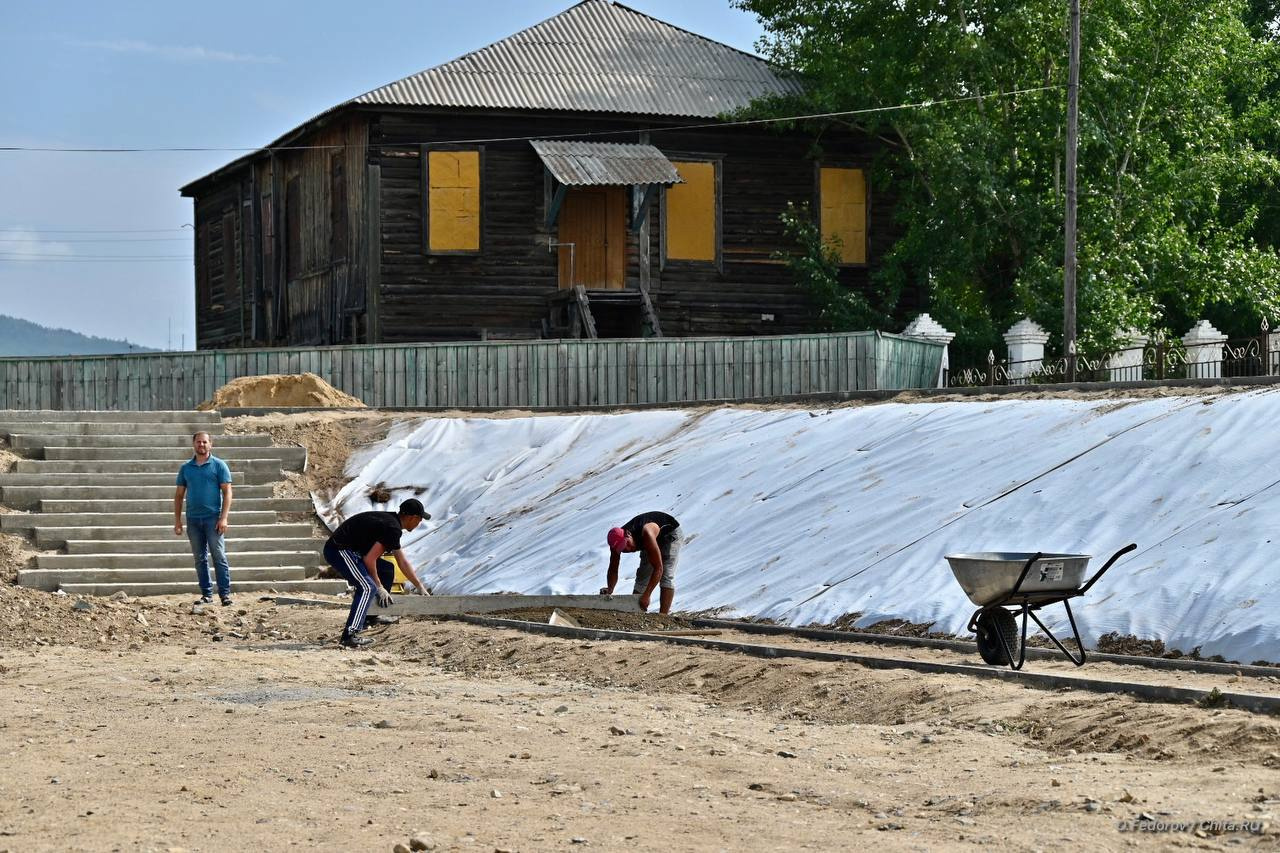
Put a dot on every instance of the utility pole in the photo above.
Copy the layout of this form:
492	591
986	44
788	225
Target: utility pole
1069	253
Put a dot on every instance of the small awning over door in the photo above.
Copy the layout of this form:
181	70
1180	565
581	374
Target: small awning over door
577	164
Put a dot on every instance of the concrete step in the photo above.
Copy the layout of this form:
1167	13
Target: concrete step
26	521
51	415
248	559
51	579
252	477
124	466
324	587
111	428
287	457
55	537
29	497
179	545
34	438
240	504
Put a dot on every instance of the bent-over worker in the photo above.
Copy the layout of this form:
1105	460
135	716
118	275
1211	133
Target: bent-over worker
657	536
353	550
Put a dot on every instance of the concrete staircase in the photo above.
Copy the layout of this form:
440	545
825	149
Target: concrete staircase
98	486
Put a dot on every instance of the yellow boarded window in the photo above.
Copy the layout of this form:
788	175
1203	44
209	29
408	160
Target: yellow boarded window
453	201
843	196
691	213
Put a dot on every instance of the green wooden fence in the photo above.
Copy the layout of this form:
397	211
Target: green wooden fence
525	374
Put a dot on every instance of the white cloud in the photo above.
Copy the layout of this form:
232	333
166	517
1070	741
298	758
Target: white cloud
177	53
26	244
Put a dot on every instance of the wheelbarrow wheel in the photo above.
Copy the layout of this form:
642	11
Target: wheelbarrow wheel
992	624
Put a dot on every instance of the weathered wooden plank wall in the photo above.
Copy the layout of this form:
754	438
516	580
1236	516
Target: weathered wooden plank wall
220	252
271	275
502	292
532	374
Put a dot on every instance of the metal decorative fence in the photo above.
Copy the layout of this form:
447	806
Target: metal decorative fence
1158	360
495	374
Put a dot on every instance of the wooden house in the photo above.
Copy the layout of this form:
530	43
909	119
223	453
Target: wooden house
578	178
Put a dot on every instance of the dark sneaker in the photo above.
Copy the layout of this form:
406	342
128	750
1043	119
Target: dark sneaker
354	641
205	599
226	601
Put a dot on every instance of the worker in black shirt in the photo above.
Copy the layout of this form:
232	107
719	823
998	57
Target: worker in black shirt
657	537
353	550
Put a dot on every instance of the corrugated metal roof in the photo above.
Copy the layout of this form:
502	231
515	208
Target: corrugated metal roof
597	56
605	163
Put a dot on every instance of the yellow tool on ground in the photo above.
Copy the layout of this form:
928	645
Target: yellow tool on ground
397	584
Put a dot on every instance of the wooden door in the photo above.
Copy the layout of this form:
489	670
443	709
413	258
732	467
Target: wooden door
593	219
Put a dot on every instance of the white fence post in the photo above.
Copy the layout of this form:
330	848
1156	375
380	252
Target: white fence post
1204	351
1026	341
1126	365
930	329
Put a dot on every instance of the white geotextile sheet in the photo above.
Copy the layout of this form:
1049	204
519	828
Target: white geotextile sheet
806	515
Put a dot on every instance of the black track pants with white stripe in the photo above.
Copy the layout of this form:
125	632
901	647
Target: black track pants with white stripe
350	564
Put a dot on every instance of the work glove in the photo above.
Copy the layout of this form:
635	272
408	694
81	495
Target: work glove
384	597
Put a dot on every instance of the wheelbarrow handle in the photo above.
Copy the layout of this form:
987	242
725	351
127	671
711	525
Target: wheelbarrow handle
1017	586
1117	555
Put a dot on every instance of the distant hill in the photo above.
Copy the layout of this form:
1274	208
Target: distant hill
24	338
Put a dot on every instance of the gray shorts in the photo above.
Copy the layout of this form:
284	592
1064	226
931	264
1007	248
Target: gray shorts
670	556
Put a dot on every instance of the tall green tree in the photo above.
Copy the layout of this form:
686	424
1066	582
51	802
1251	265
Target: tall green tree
1179	180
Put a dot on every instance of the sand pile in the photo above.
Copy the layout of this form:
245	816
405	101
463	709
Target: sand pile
280	390
15	554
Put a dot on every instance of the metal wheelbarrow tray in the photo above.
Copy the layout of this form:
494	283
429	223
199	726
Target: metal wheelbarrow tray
1025	582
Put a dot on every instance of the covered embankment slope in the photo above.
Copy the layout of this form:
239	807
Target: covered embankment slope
807	515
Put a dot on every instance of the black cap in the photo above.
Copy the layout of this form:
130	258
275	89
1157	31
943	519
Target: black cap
413	506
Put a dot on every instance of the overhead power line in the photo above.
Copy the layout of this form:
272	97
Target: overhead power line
24	257
103	240
22	229
926	104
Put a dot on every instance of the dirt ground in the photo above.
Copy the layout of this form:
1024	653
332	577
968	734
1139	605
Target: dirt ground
153	725
611	620
140	725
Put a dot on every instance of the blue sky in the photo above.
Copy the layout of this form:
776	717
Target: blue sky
96	242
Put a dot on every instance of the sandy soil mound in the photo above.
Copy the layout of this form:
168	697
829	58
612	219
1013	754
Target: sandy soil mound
7	457
283	390
330	439
15	554
610	620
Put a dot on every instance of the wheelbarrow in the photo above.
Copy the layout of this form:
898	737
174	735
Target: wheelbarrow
1005	583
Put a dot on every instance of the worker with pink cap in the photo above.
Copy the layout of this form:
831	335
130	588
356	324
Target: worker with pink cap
656	535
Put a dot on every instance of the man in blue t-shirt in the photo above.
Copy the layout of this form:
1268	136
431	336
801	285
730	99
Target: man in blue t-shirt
205	482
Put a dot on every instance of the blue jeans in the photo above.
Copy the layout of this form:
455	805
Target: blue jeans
207	542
